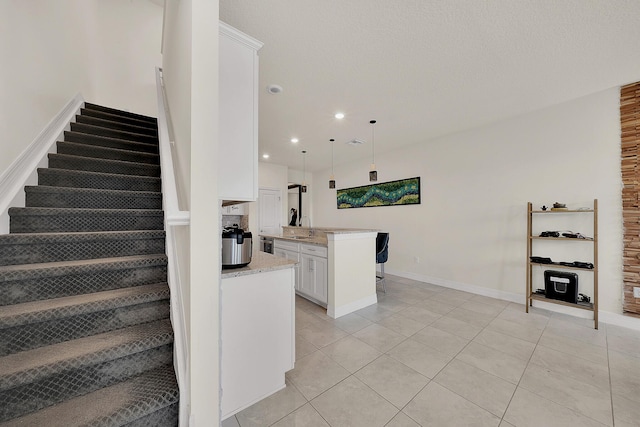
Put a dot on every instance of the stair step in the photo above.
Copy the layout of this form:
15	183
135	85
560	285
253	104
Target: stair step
122	113
86	150
66	161
117	125
40	323
33	282
105	141
98	130
32	248
131	401
86	179
114	117
55	220
37	378
90	198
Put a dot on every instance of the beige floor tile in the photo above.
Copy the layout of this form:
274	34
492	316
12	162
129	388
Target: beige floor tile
351	353
435	306
437	406
230	422
392	380
573	367
493	361
627	344
485	306
352	403
316	373
303	347
321	333
391	303
530	410
484	389
537	319
374	313
564	327
402	325
473	317
351	323
379	337
625	411
449	299
305	416
402	420
271	409
506	424
421	358
576	348
419	314
457	327
494	302
517	330
625	375
507	344
581	397
440	340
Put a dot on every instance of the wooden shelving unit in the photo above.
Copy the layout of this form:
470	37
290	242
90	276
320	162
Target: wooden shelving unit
531	296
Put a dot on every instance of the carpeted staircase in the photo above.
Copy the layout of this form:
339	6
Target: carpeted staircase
85	335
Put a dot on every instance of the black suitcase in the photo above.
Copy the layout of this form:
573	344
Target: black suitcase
561	285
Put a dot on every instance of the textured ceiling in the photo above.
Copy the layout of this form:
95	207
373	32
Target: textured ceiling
424	68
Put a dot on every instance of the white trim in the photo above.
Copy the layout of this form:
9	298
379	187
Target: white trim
336	312
23	169
603	316
227	30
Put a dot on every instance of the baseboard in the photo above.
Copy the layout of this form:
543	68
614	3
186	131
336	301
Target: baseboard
343	310
23	170
604	316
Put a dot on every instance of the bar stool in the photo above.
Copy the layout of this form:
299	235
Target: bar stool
382	254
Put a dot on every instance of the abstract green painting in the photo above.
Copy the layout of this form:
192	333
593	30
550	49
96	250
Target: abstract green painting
393	193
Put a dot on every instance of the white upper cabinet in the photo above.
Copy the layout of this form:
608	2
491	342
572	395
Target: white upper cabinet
238	115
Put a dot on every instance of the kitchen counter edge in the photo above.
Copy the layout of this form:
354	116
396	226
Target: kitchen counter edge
261	262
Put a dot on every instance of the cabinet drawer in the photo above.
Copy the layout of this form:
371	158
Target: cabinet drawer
316	250
284	244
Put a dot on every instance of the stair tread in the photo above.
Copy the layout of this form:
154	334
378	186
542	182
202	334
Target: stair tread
43	310
72	133
88	112
59	268
114	405
153	156
99	121
93	191
122	134
98	159
116	111
39	238
82	211
98	174
43	361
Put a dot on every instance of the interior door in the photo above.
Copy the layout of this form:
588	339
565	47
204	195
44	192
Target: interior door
269	211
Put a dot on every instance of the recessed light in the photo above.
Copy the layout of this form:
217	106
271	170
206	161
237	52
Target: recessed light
265	156
295	140
339	116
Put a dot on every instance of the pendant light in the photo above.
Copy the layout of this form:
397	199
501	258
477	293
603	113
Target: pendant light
332	179
304	172
373	173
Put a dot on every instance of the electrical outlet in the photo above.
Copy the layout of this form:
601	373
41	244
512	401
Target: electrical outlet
636	291
416	259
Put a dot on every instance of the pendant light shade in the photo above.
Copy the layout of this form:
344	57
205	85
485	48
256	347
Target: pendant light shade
332	179
304	172
373	173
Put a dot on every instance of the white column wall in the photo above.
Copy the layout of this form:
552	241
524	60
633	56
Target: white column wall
470	230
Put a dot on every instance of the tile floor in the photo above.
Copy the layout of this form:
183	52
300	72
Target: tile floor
431	356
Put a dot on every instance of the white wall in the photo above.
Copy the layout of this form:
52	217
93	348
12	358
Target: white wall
470	229
190	64
50	51
273	177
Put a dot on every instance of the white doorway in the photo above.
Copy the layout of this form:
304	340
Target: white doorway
269	211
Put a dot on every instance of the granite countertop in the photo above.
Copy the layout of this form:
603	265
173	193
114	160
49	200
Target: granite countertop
313	240
260	262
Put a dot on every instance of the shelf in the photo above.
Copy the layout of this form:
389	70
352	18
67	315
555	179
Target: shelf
583	306
562	238
567	211
542	264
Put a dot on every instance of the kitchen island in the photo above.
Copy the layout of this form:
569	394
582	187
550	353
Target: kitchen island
258	330
337	267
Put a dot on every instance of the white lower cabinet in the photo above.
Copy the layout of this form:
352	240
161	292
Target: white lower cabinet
311	272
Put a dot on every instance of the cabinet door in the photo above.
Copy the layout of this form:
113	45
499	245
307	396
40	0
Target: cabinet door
314	277
238	115
293	256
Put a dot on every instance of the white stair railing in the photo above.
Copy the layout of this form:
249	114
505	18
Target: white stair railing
173	217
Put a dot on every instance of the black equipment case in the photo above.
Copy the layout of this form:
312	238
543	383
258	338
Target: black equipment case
561	285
